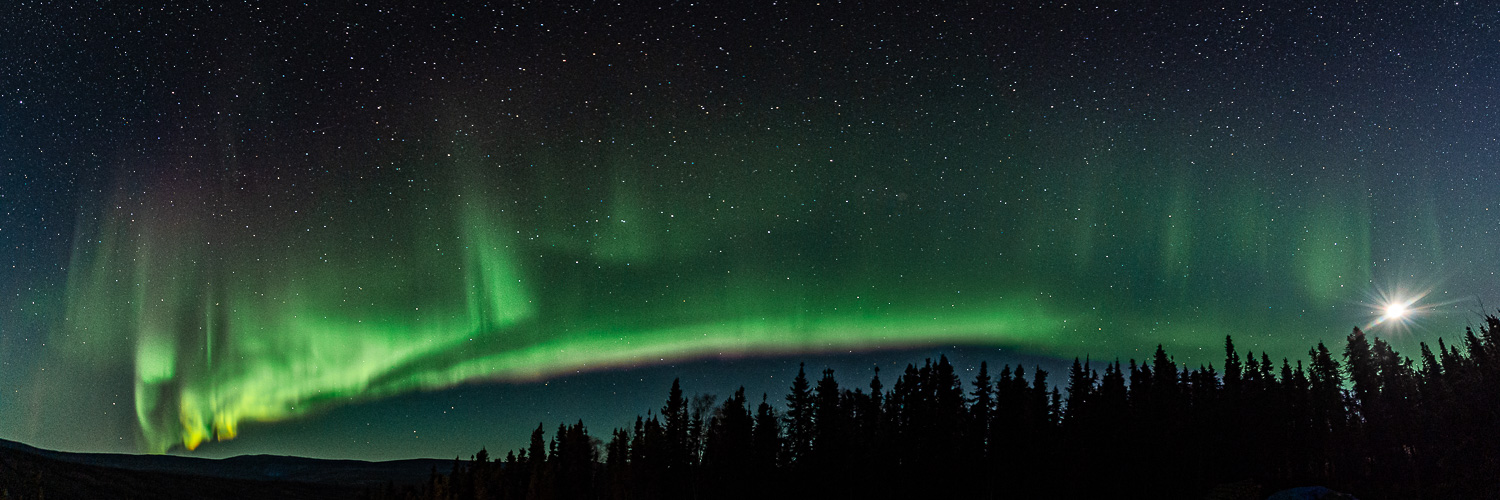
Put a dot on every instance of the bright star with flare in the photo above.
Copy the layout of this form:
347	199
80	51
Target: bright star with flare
1397	310
1394	310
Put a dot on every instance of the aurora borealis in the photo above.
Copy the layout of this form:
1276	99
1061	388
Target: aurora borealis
219	216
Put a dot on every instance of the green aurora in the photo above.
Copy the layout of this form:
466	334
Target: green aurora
238	310
240	214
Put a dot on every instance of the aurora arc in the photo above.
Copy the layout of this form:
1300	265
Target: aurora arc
333	301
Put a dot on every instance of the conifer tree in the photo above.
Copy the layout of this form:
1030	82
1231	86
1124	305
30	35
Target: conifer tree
1326	400
1080	389
979	411
1232	369
727	450
1112	392
872	418
1362	371
1165	381
617	464
828	416
767	439
799	418
675	412
537	451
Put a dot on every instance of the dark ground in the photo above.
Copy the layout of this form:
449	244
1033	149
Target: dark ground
27	472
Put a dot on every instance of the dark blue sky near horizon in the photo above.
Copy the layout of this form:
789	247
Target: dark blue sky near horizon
364	232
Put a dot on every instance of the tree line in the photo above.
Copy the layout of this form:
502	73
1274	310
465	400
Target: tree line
1366	420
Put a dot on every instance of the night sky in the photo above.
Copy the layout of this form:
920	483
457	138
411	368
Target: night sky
354	231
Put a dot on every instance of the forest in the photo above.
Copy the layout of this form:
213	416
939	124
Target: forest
1362	419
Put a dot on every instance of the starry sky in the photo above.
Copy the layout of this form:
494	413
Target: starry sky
349	230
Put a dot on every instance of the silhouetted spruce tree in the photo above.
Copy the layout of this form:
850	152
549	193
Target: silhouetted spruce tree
1491	334
1205	387
1113	396
1300	438
1054	411
828	419
647	458
1140	387
1452	363
576	457
981	406
1077	425
1111	405
1362	372
538	485
675	414
617	465
1280	428
1033	435
1164	382
1157	407
1185	389
727	452
872	435
897	414
1267	373
1038	405
767	442
1232	369
1255	412
1080	389
856	439
1475	348
1327	398
1200	389
799	418
638	441
1326	406
951	410
1229	417
1431	376
1396	427
1486	401
1252	388
1005	421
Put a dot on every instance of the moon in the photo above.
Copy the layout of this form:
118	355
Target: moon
1395	310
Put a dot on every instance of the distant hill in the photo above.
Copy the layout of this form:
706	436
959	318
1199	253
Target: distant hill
27	470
